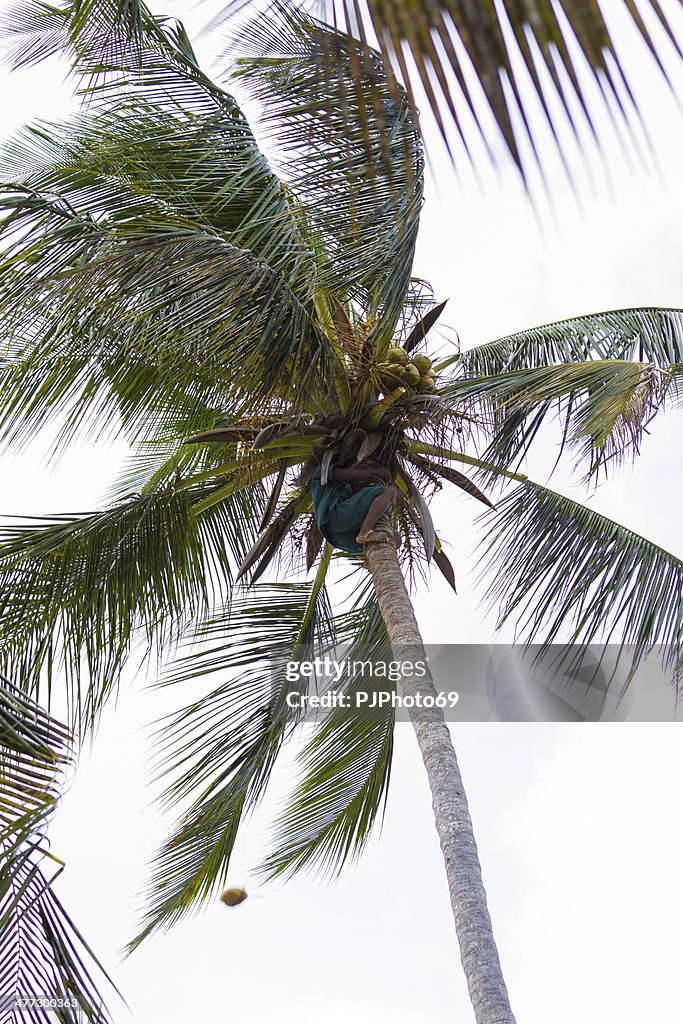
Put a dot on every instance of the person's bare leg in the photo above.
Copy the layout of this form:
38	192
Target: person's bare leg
379	506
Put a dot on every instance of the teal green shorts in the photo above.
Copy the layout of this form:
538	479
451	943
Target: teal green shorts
345	514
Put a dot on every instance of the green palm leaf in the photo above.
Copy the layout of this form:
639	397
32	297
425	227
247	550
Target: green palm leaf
165	259
433	45
175	323
497	41
345	766
603	406
32	918
34	748
220	750
516	51
41	950
555	565
354	162
109	42
32	31
168	224
367	179
651	334
81	592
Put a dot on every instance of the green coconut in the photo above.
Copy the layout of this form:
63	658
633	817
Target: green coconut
397	355
411	374
426	386
391	371
423	363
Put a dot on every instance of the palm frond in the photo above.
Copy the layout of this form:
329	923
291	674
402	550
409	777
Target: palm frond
81	592
132	154
108	43
499	41
435	451
419	299
32	31
34	747
166	460
137	231
220	750
523	55
41	950
161	324
345	766
649	334
60	963
508	47
268	543
603	406
567	573
422	517
354	162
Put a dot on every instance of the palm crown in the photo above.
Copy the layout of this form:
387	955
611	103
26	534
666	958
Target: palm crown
241	328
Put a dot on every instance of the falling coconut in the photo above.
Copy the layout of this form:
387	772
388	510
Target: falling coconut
233	897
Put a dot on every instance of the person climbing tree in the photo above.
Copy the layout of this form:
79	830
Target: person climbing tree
350	503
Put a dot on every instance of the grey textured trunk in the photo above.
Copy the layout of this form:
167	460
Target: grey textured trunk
478	950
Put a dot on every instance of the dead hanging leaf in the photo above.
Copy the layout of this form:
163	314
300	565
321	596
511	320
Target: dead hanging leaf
439	556
275	496
328	457
270	540
453	476
230	435
421	516
426	524
369	445
444	564
314	542
424	325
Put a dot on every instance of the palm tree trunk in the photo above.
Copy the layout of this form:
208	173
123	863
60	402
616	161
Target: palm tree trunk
478	950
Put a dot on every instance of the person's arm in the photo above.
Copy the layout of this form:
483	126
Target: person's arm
359	474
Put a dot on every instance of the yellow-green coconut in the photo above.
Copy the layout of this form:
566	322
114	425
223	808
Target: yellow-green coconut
423	363
410	375
397	355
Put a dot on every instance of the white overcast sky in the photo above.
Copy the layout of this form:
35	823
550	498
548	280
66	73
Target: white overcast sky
578	825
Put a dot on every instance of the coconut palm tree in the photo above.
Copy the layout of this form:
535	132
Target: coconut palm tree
243	329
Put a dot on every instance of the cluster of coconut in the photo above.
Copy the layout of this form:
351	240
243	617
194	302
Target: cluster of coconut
400	370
